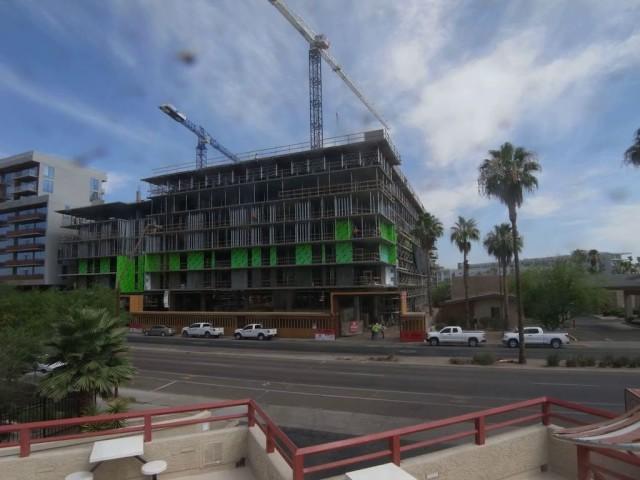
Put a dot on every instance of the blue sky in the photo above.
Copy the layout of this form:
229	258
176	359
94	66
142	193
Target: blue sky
454	78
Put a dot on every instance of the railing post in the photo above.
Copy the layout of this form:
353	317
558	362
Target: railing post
546	412
583	462
147	428
298	466
481	434
394	446
251	414
270	441
25	442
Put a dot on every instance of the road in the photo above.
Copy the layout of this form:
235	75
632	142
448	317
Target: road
596	349
402	390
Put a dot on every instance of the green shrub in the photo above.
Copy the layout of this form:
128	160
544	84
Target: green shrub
553	360
634	362
620	362
484	358
586	361
606	361
571	362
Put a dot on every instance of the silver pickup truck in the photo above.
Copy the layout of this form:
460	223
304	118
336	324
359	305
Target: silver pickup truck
536	336
455	335
255	330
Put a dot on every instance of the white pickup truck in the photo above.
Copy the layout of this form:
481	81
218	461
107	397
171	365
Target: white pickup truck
536	336
255	330
456	335
202	330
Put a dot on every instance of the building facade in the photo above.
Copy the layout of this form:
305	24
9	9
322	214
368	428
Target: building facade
33	187
287	229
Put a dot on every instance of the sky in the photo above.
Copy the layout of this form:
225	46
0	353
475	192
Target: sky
453	78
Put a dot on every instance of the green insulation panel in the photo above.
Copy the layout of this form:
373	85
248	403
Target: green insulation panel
256	256
82	266
388	232
273	256
195	261
126	274
174	262
239	258
152	263
324	254
105	265
303	254
344	252
384	253
393	254
343	230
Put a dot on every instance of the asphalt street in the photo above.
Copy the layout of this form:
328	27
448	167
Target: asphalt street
596	349
365	387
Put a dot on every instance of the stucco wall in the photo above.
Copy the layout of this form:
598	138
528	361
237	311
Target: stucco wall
512	453
185	454
265	466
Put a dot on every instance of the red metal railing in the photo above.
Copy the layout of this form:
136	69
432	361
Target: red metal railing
479	431
297	458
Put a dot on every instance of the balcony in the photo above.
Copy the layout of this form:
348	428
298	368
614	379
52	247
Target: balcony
22	263
30	174
26	190
26	217
31	232
28	247
16	278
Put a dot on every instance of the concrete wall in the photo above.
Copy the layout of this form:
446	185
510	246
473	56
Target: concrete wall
189	453
521	451
265	466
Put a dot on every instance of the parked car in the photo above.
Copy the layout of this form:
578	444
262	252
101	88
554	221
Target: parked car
202	330
48	367
536	336
255	330
455	335
159	330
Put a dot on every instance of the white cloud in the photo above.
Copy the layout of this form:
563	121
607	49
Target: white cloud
541	206
615	228
118	182
448	203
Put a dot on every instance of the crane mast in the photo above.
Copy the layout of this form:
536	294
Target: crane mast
204	138
318	49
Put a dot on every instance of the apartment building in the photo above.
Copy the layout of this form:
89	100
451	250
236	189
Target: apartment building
33	186
285	229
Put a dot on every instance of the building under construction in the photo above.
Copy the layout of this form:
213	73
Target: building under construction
298	239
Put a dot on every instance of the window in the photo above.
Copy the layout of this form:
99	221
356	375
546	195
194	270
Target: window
47	186
49	171
95	185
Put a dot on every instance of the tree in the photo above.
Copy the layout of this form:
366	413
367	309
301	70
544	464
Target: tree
442	293
463	232
427	231
632	154
91	343
506	175
499	243
594	261
555	294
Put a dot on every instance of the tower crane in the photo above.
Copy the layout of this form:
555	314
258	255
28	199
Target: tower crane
318	48
204	138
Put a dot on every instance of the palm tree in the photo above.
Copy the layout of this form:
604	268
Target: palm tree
506	175
427	231
594	261
91	344
463	232
632	154
499	243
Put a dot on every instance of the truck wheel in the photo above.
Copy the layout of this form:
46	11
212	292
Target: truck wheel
217	336
163	334
237	336
185	334
434	342
473	342
513	343
555	343
207	334
261	336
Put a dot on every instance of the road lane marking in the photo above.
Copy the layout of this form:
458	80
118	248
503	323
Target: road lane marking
164	386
